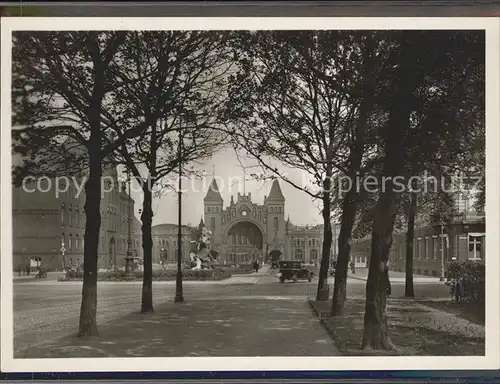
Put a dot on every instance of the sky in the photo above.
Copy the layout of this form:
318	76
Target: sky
229	172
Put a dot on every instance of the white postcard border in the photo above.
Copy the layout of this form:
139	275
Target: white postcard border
489	361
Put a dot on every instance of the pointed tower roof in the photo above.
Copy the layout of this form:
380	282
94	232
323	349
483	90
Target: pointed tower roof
201	223
213	193
275	193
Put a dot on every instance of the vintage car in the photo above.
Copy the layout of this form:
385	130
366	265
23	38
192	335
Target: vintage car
293	270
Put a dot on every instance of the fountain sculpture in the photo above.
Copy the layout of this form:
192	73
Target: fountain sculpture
204	256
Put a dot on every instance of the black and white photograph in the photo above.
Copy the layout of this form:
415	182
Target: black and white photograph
249	193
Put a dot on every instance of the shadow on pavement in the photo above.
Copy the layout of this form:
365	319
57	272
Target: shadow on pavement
203	328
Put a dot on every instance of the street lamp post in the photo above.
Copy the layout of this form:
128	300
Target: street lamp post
179	297
441	278
63	252
129	275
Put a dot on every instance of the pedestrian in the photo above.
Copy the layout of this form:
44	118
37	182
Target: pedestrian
459	290
256	267
387	280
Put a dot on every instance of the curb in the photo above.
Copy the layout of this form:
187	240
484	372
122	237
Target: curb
357	278
415	279
330	332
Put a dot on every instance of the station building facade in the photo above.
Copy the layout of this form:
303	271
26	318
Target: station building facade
244	230
461	239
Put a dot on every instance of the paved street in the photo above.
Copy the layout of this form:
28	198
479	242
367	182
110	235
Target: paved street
44	310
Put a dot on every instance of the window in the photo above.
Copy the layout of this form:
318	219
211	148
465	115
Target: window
430	249
69	241
475	247
271	209
299	255
435	247
279	209
275	223
77	209
70	213
260	216
77	242
212	223
63	240
62	213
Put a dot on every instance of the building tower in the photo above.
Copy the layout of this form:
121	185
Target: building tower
213	203
275	223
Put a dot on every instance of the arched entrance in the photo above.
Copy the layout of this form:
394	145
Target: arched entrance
112	253
245	241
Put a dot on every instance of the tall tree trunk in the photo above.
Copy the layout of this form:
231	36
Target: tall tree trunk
323	288
88	309
349	204
147	222
410	234
147	246
344	249
376	333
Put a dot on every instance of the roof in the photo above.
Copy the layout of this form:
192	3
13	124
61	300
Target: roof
213	193
275	193
168	226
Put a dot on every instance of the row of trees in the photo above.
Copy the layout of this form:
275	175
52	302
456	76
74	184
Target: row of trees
144	100
349	105
333	104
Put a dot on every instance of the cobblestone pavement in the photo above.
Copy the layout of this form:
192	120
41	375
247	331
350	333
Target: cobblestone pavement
45	311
